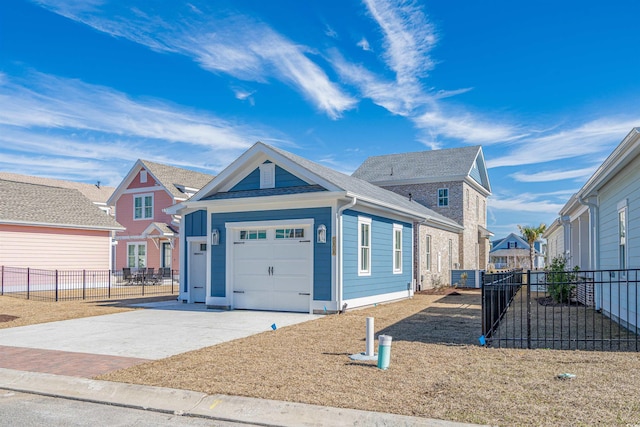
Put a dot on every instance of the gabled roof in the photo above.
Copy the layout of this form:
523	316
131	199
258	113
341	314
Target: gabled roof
330	179
621	157
33	204
97	194
512	237
177	181
453	164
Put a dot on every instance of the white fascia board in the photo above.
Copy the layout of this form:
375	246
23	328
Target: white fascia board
128	178
476	186
289	201
624	154
405	213
66	226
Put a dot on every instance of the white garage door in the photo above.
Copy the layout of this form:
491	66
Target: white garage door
272	268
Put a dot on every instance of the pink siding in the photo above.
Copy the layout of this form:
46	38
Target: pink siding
54	248
135	228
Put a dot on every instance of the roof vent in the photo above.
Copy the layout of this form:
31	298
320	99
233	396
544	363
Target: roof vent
410	197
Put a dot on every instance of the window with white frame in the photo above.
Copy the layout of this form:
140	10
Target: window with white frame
136	255
427	246
143	206
622	235
364	246
397	249
443	197
289	233
252	234
267	175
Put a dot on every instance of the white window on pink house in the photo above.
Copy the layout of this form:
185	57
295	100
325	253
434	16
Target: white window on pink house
143	206
136	255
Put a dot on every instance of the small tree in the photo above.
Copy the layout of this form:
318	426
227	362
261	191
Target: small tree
560	282
531	234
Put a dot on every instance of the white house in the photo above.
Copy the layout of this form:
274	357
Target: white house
602	228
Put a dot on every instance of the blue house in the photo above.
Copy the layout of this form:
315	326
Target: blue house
275	231
513	252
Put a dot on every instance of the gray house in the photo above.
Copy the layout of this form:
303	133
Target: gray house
453	183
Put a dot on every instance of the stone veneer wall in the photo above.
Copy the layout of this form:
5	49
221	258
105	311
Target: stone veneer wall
435	276
462	209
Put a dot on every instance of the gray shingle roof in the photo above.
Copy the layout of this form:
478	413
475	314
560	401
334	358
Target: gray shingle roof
170	176
91	191
440	165
34	204
364	189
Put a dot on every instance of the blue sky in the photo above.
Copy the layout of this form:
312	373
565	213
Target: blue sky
547	88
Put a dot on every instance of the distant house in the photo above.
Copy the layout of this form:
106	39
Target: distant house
452	182
554	236
151	238
97	193
514	252
49	227
275	231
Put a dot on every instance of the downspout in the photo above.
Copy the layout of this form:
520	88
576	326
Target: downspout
339	280
593	233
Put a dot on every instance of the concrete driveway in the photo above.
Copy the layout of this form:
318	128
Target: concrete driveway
161	330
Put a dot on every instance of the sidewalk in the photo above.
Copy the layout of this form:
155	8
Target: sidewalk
190	403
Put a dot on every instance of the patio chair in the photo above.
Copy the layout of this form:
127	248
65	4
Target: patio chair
151	277
127	277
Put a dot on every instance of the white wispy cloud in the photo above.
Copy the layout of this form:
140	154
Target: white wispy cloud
408	37
239	46
581	174
45	101
364	45
593	138
466	127
525	202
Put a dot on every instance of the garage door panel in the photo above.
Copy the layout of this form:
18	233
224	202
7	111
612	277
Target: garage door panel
254	300
293	284
273	274
292	250
286	301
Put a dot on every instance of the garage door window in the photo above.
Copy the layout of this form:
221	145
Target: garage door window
289	233
253	234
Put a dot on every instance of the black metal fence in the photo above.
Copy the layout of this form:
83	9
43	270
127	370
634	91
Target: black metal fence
570	310
67	285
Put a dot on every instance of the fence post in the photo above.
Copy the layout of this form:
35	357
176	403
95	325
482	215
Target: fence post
2	280
84	284
529	309
109	286
28	280
56	285
483	305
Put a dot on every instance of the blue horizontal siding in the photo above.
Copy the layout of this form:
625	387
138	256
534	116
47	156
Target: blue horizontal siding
321	251
382	279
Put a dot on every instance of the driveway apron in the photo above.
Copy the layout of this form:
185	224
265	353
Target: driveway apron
94	345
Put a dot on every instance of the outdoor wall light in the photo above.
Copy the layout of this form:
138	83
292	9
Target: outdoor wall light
322	234
215	237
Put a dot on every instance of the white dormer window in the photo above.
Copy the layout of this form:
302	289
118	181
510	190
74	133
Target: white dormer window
267	175
143	176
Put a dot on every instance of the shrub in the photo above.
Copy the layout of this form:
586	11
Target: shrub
560	282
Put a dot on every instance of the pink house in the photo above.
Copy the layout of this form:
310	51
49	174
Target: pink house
49	227
151	237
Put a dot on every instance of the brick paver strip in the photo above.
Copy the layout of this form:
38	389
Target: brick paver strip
63	362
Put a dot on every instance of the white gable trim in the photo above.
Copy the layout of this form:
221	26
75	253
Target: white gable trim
128	179
248	162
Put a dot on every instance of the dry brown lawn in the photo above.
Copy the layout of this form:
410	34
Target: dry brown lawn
437	369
